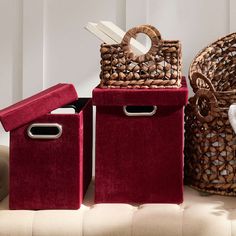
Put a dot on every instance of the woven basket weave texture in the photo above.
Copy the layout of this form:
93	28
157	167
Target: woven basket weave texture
210	142
159	67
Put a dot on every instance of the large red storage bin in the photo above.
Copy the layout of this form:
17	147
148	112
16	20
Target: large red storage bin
139	145
51	154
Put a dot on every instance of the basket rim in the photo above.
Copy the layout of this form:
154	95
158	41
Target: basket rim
203	50
174	42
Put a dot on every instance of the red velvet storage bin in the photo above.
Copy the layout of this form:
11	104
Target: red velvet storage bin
50	154
139	159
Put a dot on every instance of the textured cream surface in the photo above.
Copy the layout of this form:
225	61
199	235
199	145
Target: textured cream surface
198	216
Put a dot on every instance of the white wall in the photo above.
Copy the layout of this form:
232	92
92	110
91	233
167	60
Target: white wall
195	23
43	42
9	27
71	53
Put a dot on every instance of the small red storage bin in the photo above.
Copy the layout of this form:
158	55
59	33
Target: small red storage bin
50	154
139	145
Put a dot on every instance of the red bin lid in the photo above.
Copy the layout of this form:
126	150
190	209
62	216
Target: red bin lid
141	97
37	105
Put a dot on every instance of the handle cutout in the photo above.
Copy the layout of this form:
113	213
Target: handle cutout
140	110
154	36
44	131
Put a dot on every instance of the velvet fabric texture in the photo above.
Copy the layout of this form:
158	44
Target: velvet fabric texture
139	159
49	173
35	106
52	173
141	97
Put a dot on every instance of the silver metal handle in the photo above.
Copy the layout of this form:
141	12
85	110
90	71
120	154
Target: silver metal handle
151	113
44	131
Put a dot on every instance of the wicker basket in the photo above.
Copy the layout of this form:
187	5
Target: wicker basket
210	142
159	67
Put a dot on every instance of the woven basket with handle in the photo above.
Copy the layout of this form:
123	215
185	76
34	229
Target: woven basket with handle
159	67
210	142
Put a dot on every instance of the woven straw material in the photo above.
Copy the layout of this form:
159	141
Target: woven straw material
159	67
210	142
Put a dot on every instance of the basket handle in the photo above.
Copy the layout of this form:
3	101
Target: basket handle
44	131
198	75
154	36
211	102
148	112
